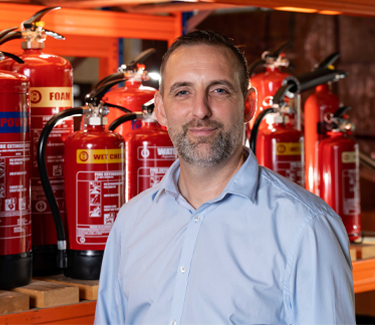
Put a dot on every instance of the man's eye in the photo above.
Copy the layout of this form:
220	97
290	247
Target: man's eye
220	91
182	92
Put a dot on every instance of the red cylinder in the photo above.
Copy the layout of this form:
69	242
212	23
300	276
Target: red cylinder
95	177
149	154
132	97
51	82
322	101
15	209
280	148
338	181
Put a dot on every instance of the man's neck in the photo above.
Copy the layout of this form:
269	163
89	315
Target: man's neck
201	184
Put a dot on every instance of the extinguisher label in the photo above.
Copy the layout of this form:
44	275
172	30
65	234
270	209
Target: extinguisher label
51	97
147	177
14	122
100	156
348	157
99	198
288	148
15	210
351	199
156	153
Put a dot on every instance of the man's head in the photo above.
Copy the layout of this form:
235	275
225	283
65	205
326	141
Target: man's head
212	39
203	100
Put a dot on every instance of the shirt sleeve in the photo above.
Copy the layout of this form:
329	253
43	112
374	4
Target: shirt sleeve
321	283
111	302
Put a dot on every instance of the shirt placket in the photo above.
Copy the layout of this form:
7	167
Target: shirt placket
183	270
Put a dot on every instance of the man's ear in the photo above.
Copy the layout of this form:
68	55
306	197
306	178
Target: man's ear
159	109
250	104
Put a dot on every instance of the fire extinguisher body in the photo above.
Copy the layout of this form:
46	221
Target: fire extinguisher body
280	148
15	209
95	177
149	154
51	81
266	83
132	97
338	185
321	102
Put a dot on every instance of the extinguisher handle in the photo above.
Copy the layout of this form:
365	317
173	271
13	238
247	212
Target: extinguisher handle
253	66
6	31
12	56
122	119
277	52
97	94
329	61
113	76
29	23
10	36
341	111
254	131
140	57
42	167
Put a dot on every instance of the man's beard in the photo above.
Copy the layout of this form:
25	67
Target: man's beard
206	151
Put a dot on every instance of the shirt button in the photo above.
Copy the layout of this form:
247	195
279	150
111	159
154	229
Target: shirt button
183	269
196	218
173	322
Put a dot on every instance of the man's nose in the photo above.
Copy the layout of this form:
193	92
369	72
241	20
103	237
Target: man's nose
201	108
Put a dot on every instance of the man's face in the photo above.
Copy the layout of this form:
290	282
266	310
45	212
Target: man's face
202	104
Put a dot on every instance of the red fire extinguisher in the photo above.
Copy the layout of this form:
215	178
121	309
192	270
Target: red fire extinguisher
319	103
149	152
134	94
338	171
15	210
280	147
267	83
51	81
95	175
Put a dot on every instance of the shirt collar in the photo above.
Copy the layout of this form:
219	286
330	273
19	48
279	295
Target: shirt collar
244	182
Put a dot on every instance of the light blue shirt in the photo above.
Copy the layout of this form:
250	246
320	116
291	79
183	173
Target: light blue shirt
265	251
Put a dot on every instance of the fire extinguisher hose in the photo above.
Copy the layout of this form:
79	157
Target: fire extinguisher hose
62	260
123	119
254	131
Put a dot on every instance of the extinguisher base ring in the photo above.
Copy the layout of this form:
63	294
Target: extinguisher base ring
44	260
84	265
15	270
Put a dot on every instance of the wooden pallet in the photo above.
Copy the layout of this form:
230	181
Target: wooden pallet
364	250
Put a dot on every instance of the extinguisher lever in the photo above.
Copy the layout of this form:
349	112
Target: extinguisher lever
10	36
97	94
113	76
329	61
123	109
42	167
30	23
140	58
12	56
54	34
254	65
277	52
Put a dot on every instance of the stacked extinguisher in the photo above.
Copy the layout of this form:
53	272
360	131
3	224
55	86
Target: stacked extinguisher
149	151
15	210
338	170
95	175
276	140
51	81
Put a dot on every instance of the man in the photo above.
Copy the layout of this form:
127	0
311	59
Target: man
221	240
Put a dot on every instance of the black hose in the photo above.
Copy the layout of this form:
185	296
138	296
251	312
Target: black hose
42	144
122	119
254	131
